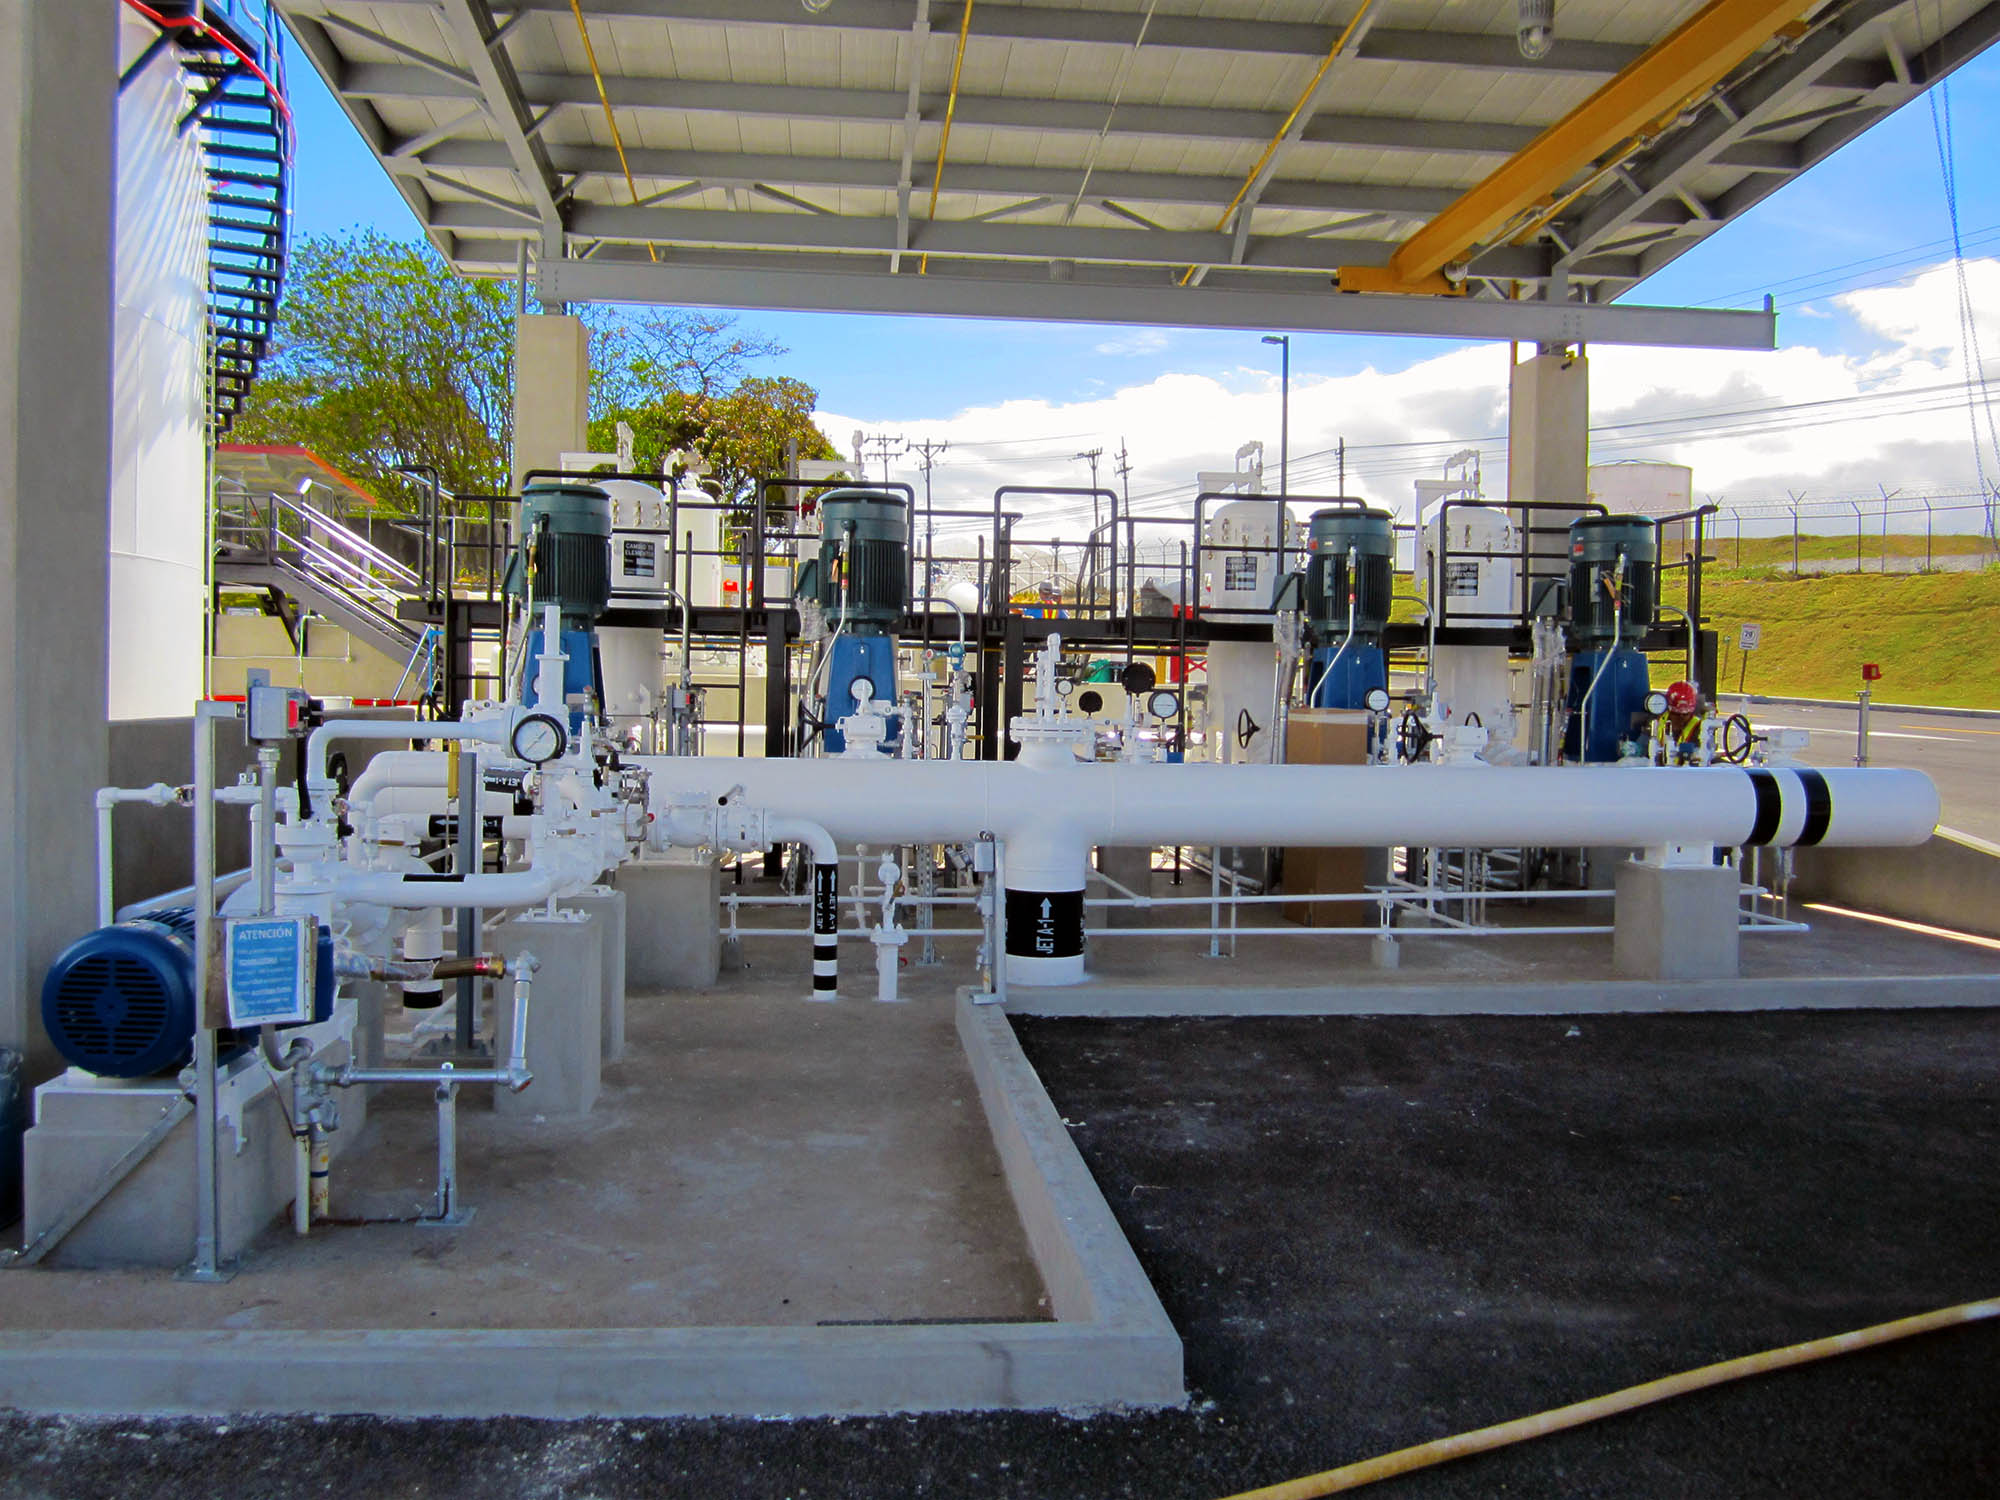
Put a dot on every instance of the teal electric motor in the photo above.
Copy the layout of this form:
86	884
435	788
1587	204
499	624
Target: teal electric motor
1614	598
861	582
1351	562
563	557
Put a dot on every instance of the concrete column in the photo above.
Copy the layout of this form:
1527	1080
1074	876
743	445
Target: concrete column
606	908
565	1024
551	391
58	74
1548	443
1676	922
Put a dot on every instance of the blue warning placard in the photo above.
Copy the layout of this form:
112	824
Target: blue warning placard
268	964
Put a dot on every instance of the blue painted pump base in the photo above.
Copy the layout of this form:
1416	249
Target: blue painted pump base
1617	707
1359	671
582	674
853	658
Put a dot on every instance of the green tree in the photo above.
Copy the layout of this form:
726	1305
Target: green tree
384	357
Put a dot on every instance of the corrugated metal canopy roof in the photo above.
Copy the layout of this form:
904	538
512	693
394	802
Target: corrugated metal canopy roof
782	155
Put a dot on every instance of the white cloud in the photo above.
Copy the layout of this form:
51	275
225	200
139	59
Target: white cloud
1182	422
1139	341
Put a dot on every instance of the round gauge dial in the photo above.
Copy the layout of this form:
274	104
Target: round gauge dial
1377	700
1064	686
1656	703
1163	704
539	739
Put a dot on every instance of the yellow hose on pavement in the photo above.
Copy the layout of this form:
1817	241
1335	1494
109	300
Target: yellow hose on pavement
1485	1439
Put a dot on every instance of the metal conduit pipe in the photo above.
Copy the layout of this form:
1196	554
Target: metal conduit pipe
1051	810
514	1076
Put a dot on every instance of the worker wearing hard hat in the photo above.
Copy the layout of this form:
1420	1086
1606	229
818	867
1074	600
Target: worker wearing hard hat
1683	736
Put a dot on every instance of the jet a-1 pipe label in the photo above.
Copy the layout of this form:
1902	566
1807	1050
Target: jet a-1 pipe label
1045	924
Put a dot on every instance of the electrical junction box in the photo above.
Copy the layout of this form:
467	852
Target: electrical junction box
275	713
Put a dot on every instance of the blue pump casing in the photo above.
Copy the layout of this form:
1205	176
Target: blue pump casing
1360	670
120	1001
852	658
1617	707
582	672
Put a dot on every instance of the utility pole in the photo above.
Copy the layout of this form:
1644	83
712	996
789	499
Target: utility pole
1284	343
1343	467
1124	472
930	453
1089	564
885	447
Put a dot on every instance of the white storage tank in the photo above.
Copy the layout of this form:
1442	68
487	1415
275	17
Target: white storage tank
1471	571
1239	572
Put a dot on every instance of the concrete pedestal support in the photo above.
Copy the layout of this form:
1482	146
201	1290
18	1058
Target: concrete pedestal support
551	391
565	1013
606	908
84	1125
1676	922
673	924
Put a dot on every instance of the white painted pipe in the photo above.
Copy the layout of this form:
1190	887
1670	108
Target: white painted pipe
492	731
386	888
1050	814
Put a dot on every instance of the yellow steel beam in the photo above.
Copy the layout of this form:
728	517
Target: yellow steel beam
1687	63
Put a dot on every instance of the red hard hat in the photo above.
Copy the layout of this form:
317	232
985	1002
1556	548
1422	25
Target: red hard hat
1682	698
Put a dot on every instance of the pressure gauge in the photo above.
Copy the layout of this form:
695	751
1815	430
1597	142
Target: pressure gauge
1656	703
539	739
1163	704
1064	686
1377	700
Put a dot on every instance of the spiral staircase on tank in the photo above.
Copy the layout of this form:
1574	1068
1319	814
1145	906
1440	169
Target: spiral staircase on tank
230	52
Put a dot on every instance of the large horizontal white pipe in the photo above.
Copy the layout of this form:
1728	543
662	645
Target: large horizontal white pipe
1051	813
1137	804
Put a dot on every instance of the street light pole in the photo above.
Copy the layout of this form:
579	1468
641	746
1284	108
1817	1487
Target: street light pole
1284	343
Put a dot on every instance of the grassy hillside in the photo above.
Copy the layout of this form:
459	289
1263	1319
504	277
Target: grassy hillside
1936	635
1752	553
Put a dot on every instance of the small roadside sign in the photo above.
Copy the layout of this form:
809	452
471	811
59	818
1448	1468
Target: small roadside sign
1750	635
268	963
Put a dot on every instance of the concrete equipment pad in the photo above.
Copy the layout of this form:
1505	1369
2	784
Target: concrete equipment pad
776	1207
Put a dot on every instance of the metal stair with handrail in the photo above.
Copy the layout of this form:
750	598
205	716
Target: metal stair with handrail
231	54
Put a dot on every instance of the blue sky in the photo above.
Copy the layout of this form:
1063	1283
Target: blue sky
1871	215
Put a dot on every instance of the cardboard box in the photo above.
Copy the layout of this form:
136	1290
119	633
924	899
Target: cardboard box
1327	737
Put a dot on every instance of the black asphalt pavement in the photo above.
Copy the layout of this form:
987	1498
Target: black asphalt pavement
1372	1232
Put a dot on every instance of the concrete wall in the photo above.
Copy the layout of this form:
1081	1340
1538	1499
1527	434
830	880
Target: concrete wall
58	72
1952	881
337	664
158	441
153	847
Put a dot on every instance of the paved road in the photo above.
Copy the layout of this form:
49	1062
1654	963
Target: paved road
1962	755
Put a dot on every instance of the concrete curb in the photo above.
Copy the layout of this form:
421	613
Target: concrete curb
1893	708
1110	1344
1607	997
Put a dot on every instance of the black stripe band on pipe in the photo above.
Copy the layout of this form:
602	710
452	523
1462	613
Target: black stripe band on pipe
825	982
1819	807
1770	807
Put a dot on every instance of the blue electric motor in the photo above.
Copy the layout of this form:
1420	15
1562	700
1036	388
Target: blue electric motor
120	1001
